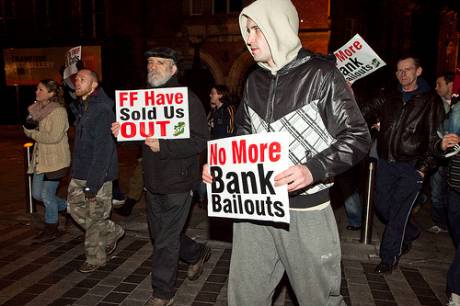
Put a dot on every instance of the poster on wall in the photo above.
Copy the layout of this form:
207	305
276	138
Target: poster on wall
27	66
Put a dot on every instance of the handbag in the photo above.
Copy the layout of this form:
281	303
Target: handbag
56	175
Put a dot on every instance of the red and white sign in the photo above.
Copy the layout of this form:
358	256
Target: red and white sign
244	170
356	59
158	112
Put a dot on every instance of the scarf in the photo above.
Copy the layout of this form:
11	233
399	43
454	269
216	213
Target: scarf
38	111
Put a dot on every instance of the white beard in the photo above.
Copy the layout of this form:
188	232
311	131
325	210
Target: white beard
154	81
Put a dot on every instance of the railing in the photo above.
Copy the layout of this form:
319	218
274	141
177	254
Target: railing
368	216
30	203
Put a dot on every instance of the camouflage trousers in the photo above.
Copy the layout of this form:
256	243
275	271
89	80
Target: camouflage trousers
93	217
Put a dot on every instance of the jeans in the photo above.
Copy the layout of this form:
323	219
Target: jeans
352	200
438	183
354	209
452	123
45	191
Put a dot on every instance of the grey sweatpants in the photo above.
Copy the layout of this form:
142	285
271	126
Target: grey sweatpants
309	252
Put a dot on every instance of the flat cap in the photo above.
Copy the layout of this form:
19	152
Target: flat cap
162	52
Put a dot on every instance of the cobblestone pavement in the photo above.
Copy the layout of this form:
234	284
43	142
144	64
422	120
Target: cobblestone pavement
46	274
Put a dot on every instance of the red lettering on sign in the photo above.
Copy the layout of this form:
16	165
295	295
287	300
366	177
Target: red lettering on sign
255	153
128	129
179	98
217	155
122	97
349	51
149	98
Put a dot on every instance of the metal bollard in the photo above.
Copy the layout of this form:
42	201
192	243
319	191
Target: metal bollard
30	204
366	228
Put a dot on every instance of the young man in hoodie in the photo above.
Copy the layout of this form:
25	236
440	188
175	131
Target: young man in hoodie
409	118
94	167
303	94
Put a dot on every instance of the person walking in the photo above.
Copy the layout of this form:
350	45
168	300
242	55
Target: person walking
47	125
409	118
171	170
305	95
94	167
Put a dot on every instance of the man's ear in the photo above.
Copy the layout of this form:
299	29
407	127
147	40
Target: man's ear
419	71
95	84
174	69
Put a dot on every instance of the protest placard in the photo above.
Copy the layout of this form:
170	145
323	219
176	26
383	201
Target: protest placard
244	169
72	56
158	112
356	59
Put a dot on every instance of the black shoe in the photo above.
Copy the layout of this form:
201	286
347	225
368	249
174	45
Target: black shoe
127	208
353	228
406	247
384	268
194	271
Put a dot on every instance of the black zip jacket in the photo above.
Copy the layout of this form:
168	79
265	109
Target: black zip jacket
94	157
175	168
338	136
408	129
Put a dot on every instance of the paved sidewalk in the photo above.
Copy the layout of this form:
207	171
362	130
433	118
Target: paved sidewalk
46	274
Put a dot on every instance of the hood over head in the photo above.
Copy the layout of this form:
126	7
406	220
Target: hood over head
279	22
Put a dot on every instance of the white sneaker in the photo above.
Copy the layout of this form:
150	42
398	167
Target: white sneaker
454	300
118	203
436	229
452	151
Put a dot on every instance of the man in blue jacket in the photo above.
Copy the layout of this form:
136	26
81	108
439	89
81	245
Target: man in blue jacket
94	167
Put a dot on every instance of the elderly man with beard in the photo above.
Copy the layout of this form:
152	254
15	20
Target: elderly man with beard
171	170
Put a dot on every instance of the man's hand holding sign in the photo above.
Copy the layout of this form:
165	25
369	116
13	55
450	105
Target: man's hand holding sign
241	174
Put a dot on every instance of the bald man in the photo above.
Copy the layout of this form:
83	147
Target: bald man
94	167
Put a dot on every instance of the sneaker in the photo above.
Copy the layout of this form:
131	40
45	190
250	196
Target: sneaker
452	151
88	268
111	247
435	229
194	271
353	228
155	301
454	300
118	202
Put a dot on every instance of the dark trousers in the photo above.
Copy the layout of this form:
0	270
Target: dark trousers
453	215
397	187
438	181
167	214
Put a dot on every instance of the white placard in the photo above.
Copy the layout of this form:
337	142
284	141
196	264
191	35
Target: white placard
356	59
72	56
159	112
244	169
